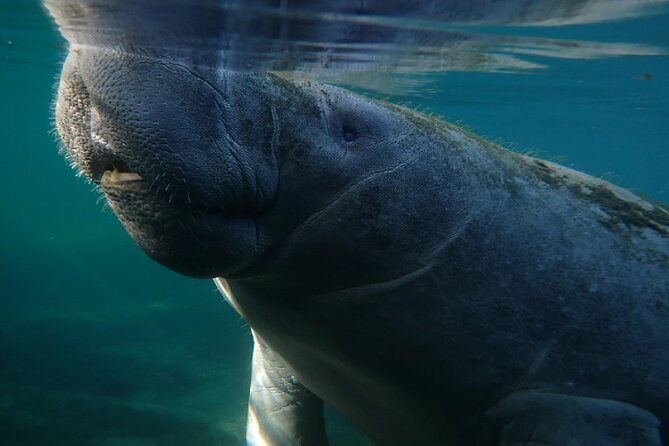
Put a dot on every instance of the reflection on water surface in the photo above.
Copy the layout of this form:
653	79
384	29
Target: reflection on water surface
339	40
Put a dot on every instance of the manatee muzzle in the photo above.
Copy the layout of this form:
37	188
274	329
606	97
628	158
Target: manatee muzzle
178	151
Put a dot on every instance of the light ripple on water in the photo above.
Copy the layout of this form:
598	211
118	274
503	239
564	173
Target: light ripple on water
370	43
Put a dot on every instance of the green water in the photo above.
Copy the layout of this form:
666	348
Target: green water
100	346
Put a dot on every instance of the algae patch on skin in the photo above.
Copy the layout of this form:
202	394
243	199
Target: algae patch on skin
616	205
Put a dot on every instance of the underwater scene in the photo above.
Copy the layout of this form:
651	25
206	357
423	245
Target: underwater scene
102	346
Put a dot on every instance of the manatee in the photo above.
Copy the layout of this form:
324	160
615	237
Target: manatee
435	288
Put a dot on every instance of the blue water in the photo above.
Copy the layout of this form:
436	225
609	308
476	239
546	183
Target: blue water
101	346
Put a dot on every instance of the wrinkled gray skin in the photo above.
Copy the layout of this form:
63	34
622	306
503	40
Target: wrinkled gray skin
435	288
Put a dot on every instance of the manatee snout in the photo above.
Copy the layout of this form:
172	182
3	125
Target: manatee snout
156	135
150	116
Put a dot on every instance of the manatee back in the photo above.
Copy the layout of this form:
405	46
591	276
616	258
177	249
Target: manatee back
568	276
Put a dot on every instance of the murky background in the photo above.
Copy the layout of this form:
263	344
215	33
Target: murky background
100	346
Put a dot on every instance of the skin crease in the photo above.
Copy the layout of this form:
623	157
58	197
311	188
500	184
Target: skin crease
411	274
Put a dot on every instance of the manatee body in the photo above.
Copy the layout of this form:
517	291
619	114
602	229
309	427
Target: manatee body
435	288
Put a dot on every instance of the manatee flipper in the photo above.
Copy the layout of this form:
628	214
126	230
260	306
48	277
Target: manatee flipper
282	412
532	418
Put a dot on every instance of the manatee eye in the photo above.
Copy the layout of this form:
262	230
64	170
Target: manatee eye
349	133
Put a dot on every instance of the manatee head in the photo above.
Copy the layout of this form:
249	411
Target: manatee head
230	174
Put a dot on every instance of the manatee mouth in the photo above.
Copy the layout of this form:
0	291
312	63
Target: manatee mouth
194	240
103	165
117	178
159	188
170	222
100	160
112	172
